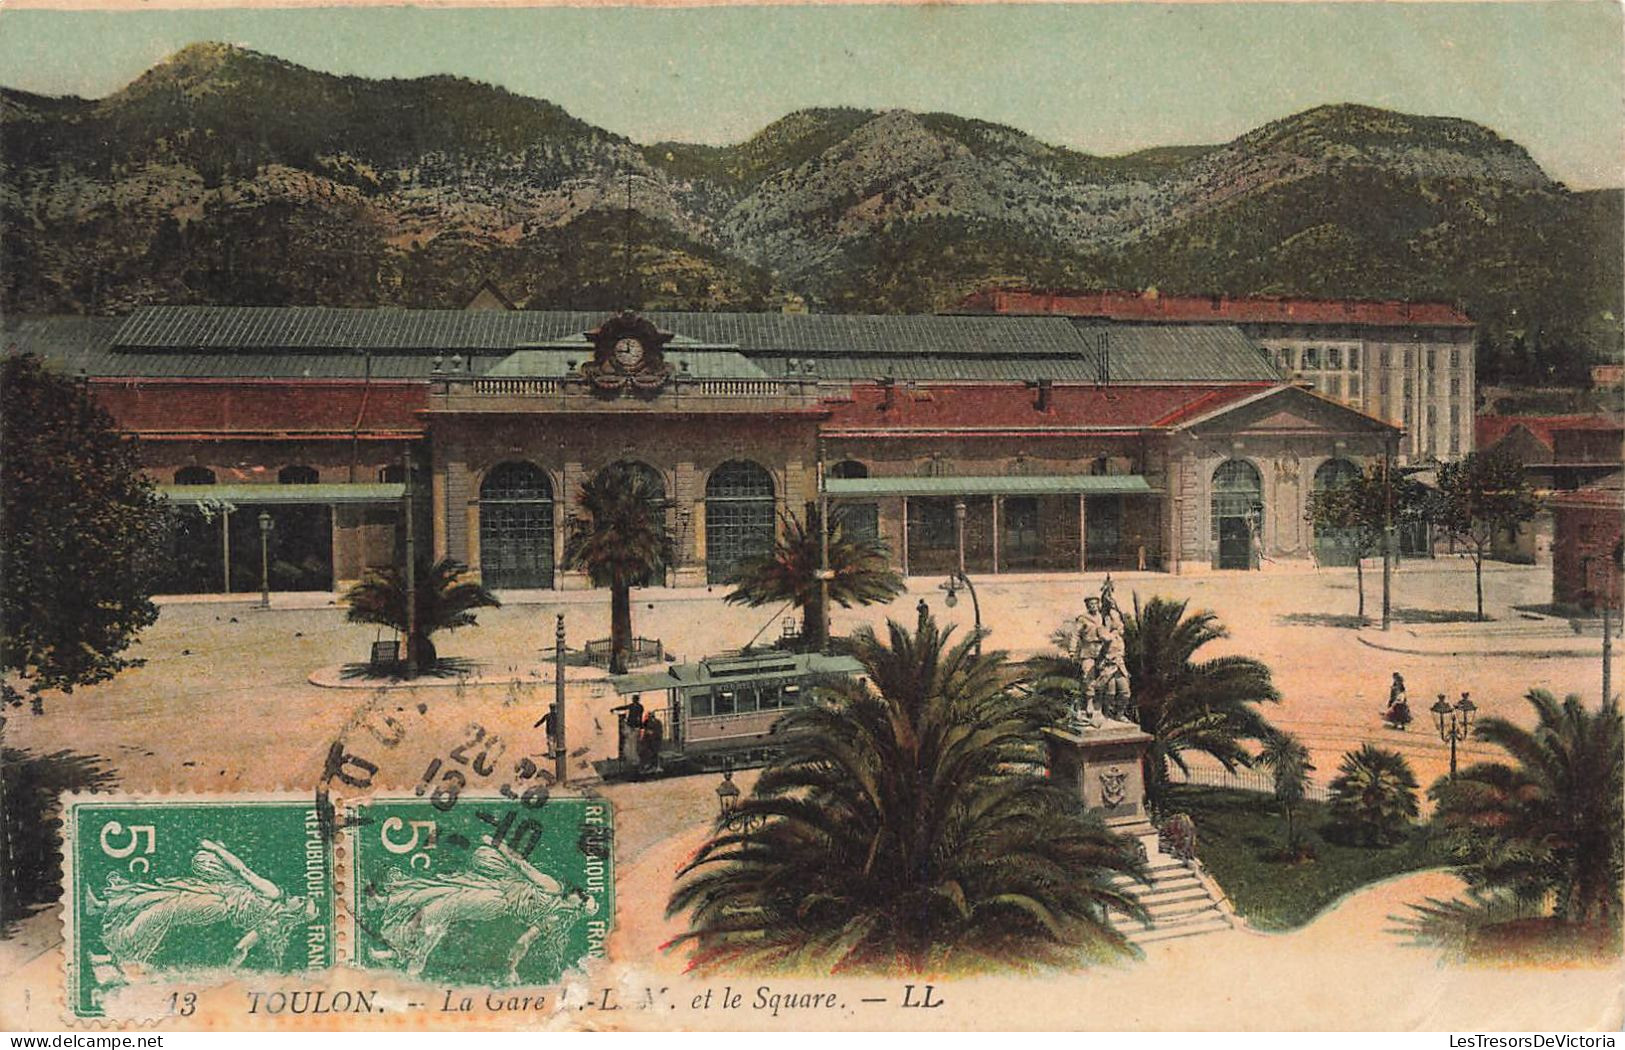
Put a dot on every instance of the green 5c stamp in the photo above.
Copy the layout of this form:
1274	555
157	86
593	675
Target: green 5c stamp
485	891
160	889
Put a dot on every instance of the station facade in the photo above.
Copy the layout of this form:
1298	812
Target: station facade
1007	444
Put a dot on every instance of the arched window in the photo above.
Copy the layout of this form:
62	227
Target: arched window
1238	513
298	475
1335	546
861	521
516	527
738	517
194	476
653	481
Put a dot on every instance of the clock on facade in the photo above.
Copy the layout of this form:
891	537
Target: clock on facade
629	352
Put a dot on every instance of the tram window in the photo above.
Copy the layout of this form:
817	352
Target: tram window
768	696
699	705
792	695
746	701
723	702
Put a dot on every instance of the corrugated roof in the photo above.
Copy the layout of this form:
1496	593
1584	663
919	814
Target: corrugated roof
320	328
325	342
991	484
333	492
1179	354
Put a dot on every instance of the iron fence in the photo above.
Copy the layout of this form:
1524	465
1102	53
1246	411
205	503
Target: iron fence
639	652
1242	780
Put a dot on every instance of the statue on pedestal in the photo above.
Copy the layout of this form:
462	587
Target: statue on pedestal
1103	669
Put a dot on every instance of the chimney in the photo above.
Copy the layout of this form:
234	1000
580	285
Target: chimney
1045	388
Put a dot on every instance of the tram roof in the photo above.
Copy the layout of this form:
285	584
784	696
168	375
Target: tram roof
761	665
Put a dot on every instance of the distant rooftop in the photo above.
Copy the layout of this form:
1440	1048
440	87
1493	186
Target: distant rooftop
1215	309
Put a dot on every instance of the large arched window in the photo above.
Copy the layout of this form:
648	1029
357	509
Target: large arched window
857	520
1238	511
194	476
516	527
298	475
738	517
1335	546
653	481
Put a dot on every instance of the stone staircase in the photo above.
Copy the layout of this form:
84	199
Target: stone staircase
1181	899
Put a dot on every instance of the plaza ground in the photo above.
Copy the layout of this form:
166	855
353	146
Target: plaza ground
226	703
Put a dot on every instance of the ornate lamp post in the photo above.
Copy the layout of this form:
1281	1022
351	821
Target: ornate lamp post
1454	723
951	598
266	525
728	806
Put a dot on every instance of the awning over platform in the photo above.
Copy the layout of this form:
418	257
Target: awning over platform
993	485
325	493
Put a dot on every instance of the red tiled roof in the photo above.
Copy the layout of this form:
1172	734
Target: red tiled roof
1217	309
1487	430
1607	495
189	406
1014	407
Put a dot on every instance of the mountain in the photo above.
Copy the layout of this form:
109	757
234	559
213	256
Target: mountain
224	175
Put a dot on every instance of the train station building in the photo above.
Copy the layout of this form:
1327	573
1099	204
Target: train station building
1022	444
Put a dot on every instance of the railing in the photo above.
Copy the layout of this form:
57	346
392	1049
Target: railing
1241	780
516	387
679	387
641	651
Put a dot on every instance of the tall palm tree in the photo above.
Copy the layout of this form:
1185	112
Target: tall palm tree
907	824
1186	704
1374	794
861	573
444	600
1550	825
621	540
1285	756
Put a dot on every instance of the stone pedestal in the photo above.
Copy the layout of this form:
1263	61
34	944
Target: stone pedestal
1102	764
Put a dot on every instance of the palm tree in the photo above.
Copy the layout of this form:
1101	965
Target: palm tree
1284	755
907	823
1548	826
444	600
622	541
1374	795
1186	704
860	567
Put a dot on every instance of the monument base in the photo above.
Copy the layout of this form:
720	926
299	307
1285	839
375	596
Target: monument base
1102	764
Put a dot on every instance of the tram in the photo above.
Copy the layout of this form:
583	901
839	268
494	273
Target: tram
724	710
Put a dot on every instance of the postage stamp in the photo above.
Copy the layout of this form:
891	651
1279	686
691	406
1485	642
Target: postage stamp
491	891
162	889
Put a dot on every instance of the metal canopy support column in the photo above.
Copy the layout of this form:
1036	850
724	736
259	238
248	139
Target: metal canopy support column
997	501
905	535
225	551
1083	533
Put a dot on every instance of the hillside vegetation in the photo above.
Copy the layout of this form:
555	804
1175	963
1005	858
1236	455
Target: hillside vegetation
226	176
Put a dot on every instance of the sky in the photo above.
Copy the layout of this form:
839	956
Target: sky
1103	78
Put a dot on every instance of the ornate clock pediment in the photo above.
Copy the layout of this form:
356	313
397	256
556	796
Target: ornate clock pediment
629	354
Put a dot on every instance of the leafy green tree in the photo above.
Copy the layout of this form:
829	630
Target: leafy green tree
907	822
861	573
1549	825
1479	497
81	535
622	541
1359	508
444	601
1287	759
1187	704
1374	795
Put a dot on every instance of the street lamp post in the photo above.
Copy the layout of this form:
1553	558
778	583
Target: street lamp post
266	525
951	586
959	532
728	806
1454	723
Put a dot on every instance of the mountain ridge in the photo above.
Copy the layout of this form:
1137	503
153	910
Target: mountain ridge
223	172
